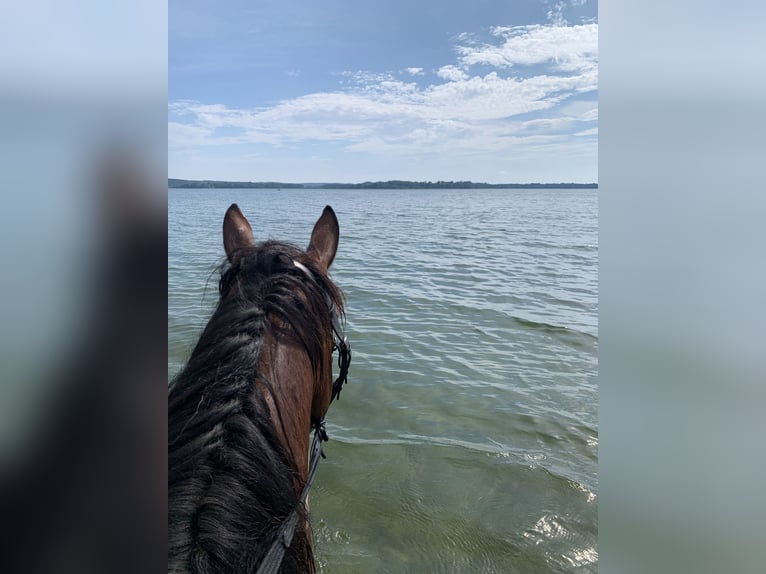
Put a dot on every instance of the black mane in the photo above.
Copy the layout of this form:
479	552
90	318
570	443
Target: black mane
230	482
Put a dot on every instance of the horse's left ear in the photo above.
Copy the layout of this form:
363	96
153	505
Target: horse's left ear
237	232
324	238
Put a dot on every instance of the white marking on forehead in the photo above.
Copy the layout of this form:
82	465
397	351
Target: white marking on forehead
303	268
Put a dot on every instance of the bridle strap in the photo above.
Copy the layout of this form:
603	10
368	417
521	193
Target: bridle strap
341	343
273	559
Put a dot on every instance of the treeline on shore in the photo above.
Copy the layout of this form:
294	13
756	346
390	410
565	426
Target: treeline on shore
212	184
391	184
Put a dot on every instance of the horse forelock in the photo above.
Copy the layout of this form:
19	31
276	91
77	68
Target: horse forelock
274	275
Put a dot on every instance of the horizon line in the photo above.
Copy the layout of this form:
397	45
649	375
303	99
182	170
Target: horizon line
377	182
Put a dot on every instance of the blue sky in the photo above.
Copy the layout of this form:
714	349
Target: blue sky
350	91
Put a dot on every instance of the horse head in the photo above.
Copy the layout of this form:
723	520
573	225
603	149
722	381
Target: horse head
241	411
303	306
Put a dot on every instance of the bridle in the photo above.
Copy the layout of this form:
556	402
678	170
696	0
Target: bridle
273	559
341	344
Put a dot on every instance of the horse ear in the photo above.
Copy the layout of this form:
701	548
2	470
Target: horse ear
237	232
324	238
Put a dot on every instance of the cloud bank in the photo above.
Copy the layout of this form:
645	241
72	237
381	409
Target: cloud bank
527	88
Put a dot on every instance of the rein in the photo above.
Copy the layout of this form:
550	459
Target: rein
276	553
273	558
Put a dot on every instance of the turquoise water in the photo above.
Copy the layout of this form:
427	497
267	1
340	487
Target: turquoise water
467	437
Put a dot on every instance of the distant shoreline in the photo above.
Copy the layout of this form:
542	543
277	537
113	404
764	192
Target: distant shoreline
392	184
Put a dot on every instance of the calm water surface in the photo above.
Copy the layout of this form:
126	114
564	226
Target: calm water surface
467	438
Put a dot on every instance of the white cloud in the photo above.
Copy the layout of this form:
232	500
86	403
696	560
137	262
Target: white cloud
364	77
556	13
415	71
452	73
590	132
590	116
388	106
184	135
567	48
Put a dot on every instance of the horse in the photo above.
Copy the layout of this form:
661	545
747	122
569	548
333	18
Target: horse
241	411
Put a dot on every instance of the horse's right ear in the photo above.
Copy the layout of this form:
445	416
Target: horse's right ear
237	232
324	238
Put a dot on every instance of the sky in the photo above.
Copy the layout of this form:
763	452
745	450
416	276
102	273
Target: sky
349	91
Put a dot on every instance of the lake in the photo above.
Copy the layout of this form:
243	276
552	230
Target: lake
467	437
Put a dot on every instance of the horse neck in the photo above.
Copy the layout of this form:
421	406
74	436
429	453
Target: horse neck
206	538
286	366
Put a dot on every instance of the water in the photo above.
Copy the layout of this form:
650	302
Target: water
467	437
